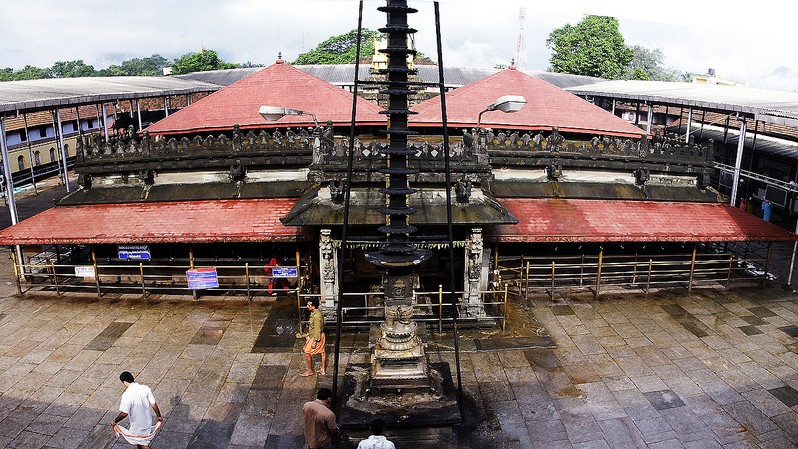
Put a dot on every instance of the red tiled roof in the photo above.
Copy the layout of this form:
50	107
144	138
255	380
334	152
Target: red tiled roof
547	106
556	220
277	85
178	221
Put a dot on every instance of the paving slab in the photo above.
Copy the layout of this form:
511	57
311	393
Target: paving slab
711	368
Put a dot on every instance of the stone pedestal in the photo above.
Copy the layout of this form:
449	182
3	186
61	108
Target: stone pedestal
414	418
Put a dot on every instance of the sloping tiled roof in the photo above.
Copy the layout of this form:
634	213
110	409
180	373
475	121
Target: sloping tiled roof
168	222
547	106
277	85
556	220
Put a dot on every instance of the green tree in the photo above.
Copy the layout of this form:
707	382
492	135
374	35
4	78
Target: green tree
6	74
593	47
29	72
201	61
150	66
70	69
340	49
651	63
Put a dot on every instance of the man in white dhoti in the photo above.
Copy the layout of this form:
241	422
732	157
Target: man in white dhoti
137	404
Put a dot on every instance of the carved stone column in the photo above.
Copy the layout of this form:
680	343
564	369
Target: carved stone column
328	267
473	274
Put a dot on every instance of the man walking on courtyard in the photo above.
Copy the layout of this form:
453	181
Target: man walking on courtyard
315	341
137	404
320	426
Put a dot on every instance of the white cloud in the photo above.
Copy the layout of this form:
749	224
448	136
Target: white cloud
743	45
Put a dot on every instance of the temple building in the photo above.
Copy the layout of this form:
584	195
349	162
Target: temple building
217	185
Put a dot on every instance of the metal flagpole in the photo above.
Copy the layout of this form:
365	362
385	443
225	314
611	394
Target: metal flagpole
344	227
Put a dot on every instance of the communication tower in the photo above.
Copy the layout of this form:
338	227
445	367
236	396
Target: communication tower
520	48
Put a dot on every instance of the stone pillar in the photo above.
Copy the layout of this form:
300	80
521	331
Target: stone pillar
472	281
328	267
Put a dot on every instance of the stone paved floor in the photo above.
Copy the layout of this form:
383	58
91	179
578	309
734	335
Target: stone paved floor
709	369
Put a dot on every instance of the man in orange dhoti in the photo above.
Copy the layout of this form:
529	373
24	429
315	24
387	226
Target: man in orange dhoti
314	341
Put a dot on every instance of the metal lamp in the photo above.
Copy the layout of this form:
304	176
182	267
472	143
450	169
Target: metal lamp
272	113
507	103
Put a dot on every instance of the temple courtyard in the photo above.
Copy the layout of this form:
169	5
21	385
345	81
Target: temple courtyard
708	369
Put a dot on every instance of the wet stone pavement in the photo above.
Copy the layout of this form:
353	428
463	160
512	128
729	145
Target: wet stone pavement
714	368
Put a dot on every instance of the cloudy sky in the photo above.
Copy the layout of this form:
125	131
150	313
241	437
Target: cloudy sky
748	45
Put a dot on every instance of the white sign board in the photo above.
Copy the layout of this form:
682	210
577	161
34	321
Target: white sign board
84	271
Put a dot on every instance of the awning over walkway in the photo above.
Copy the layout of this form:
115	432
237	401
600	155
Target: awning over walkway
318	209
167	222
556	220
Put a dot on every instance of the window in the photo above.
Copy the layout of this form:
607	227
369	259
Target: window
21	162
37	158
52	154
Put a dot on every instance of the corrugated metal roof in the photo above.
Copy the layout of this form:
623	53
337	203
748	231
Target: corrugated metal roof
344	74
54	92
767	144
767	105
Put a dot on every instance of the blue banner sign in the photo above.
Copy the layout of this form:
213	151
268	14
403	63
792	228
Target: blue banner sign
284	272
202	278
133	252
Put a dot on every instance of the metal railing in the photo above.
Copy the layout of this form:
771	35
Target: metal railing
360	309
429	307
248	279
526	275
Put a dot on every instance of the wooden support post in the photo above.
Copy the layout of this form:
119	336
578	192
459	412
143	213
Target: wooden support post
648	280
582	271
246	274
598	271
143	285
298	314
440	308
298	274
96	272
16	272
194	293
551	296
55	278
692	269
634	271
767	264
504	323
526	284
728	276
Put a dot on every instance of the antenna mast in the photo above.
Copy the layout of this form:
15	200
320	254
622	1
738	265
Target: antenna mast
520	48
